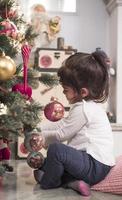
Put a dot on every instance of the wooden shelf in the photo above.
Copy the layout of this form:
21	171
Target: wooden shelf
116	127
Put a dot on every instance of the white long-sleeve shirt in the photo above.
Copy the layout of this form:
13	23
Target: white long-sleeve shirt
85	128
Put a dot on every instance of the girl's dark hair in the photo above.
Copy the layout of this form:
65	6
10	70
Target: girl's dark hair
82	70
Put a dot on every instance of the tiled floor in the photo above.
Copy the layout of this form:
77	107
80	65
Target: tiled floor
20	185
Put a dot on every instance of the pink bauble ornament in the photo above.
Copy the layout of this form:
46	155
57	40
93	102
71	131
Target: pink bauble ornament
54	111
35	160
8	28
33	142
27	92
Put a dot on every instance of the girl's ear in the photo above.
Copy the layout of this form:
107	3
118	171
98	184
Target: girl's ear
84	92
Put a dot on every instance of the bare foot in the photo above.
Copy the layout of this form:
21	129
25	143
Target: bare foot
81	187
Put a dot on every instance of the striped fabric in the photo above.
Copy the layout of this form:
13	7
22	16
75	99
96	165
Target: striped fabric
26	49
113	181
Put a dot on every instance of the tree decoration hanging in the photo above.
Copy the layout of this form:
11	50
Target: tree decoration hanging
35	160
54	110
24	88
8	28
7	67
33	142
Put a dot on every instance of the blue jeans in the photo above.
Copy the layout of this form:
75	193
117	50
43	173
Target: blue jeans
65	164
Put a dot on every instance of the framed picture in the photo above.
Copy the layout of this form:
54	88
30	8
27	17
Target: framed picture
21	151
47	59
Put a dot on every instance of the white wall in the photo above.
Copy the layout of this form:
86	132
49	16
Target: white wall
87	29
117	143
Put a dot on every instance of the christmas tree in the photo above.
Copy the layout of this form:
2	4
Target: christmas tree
19	113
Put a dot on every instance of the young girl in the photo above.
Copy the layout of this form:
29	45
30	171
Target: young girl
88	155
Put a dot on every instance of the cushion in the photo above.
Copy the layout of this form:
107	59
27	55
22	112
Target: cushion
113	181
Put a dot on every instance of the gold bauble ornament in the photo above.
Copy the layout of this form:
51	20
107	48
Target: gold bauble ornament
7	67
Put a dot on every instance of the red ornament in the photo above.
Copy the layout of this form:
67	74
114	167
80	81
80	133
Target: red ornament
8	28
24	91
33	142
35	160
54	111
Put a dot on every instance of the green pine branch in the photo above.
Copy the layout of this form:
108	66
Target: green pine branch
22	115
49	79
8	45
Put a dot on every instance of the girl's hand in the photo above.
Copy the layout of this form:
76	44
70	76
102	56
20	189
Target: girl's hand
44	146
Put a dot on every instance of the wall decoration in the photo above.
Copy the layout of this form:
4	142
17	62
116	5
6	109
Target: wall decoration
44	26
45	61
21	151
51	58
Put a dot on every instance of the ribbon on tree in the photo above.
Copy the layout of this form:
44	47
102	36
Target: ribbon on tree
26	50
24	88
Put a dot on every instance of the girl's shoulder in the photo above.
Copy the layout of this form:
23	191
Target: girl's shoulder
94	111
93	105
85	105
76	105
